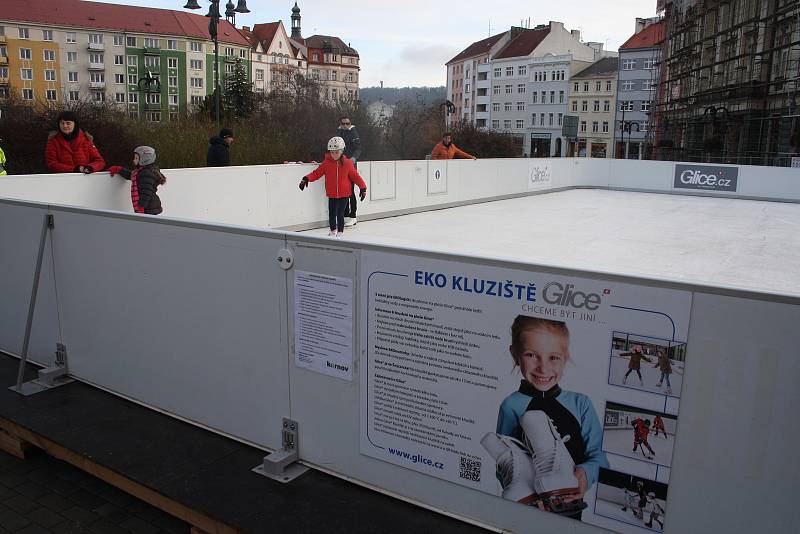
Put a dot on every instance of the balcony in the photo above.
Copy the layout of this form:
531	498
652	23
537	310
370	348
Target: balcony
2	39
151	51
150	106
97	85
97	66
3	60
97	47
3	81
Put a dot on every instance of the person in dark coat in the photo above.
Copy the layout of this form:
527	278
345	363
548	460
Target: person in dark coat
218	150
70	149
145	178
352	151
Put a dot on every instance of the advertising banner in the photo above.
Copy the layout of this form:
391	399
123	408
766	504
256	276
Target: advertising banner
540	176
706	177
558	392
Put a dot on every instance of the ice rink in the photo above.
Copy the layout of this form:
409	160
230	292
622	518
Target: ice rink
650	376
620	441
713	241
613	510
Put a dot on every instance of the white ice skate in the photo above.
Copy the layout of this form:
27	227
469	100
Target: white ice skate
350	221
514	464
554	468
332	233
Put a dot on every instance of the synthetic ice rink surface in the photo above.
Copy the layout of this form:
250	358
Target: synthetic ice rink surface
621	442
746	244
613	510
650	377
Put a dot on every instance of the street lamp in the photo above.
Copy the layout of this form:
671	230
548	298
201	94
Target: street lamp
625	126
711	143
214	16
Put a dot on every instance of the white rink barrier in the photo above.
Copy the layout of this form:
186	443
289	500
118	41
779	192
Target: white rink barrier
199	321
268	196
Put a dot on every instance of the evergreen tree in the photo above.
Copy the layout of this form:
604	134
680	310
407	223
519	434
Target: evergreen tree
238	95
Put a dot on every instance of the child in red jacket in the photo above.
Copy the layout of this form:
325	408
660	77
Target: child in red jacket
340	174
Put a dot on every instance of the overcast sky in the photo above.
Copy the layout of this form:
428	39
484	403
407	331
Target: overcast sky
406	43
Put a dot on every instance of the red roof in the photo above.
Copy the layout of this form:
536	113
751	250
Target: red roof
477	48
523	43
265	33
320	41
115	17
649	37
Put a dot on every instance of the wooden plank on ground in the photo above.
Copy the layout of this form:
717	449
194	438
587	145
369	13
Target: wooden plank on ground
12	444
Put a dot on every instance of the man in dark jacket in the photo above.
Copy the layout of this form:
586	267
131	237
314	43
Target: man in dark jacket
352	150
218	154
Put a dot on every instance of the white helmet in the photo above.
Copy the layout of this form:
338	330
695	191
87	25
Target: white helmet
336	143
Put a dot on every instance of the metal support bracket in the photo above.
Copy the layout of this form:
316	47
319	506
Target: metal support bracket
49	377
285	259
282	465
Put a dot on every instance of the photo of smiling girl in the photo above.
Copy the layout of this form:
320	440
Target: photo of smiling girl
549	421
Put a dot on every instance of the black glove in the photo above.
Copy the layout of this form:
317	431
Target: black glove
304	183
363	194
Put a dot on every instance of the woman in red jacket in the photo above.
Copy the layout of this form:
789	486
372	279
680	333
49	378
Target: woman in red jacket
340	174
70	149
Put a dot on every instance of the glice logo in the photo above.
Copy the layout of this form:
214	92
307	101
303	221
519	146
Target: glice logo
709	178
539	176
567	295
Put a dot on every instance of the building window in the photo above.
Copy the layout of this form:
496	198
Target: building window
72	57
172	44
333	77
648	85
560	119
229	51
595	127
96	59
153	116
605	126
72	76
119	60
596	106
131	41
521	88
575	105
495	106
50	75
550	119
645	105
230	68
626	105
152	62
26	74
197	100
597	86
544	97
606	105
552	97
49	55
173	116
507	106
132	79
544	76
584	106
24	53
541	119
97	77
496	90
196	64
507	124
509	71
644	126
575	87
96	38
172	81
585	87
71	37
24	34
495	124
172	62
27	94
133	61
520	106
196	82
608	85
173	100
151	42
194	46
509	89
153	98
47	35
498	72
583	126
119	98
648	63
628	64
73	96
119	79
533	119
534	97
119	40
522	71
561	97
520	123
627	85
133	98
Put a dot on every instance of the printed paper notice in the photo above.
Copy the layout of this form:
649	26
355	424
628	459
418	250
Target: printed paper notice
323	324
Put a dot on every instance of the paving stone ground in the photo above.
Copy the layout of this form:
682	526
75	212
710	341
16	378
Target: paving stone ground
43	495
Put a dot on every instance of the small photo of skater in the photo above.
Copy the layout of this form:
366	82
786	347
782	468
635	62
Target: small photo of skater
639	433
631	499
647	363
547	442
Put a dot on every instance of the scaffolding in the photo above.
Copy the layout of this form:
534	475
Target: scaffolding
729	82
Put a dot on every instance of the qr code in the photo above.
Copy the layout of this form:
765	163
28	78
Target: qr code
469	469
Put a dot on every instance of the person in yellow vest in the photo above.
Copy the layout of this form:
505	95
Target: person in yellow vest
3	171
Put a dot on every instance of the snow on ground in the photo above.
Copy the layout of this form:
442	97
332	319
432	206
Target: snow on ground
650	377
620	441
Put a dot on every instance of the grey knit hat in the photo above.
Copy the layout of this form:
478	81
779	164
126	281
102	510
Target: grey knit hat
147	155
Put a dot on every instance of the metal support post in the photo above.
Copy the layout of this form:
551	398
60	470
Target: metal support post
282	465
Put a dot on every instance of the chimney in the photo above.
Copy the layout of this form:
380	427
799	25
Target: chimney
246	28
576	34
639	26
556	25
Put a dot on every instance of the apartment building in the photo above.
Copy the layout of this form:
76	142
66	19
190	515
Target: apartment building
61	51
592	100
639	62
275	60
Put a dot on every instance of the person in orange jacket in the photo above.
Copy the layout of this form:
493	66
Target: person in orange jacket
340	175
445	149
